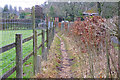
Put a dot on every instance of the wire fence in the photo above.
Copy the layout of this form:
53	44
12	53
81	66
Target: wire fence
10	24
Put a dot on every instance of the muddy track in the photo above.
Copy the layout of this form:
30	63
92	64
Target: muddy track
65	70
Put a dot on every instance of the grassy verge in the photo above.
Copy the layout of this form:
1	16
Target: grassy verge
49	67
73	54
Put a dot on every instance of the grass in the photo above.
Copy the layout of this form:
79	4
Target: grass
8	36
58	51
76	63
49	69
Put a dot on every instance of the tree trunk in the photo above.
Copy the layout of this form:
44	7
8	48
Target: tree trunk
99	7
119	42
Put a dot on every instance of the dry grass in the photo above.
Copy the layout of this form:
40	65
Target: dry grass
49	69
81	67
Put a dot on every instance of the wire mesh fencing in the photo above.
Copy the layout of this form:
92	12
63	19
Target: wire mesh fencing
11	24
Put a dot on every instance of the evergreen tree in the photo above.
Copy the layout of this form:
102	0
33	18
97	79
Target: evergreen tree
5	9
52	12
5	13
99	7
11	9
15	10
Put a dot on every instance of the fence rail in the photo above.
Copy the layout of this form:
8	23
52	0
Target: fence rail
15	24
12	45
18	45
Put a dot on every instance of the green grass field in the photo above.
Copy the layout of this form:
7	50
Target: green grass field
9	56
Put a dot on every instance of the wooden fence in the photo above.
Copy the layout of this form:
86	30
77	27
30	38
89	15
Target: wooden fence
19	24
36	58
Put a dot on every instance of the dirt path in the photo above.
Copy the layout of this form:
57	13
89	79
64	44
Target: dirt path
65	63
59	62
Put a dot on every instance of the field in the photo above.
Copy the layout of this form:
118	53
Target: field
8	57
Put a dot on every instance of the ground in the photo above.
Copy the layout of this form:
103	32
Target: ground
61	63
65	60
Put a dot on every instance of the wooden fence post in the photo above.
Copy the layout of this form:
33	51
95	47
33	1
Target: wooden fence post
34	43
43	47
62	26
119	53
52	31
108	60
53	28
119	42
68	26
47	33
35	52
39	64
19	60
50	36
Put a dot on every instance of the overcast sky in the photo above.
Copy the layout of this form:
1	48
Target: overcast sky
22	3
